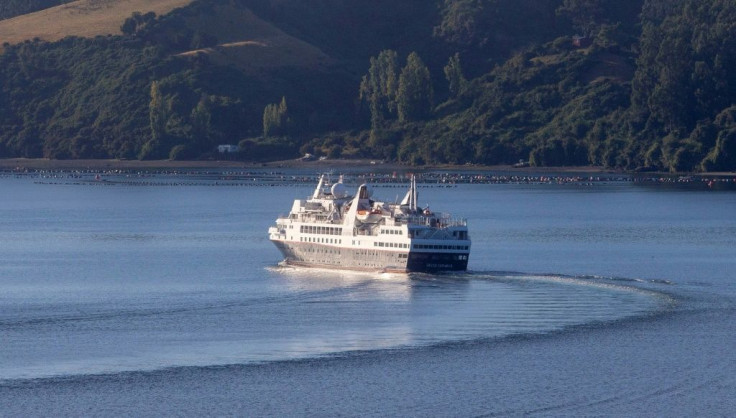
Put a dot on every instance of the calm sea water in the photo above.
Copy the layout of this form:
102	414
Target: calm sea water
163	296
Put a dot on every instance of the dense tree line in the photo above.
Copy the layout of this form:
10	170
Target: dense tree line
668	104
117	97
684	90
644	84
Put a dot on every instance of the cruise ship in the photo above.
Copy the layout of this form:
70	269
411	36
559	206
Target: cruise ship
333	229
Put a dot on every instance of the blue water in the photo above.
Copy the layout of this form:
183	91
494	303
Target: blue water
163	296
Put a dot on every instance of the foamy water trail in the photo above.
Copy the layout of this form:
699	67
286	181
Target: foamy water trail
306	313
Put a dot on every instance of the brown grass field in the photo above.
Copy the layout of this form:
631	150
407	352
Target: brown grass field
83	18
244	40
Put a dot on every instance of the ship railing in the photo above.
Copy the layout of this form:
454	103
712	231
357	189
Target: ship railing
437	234
316	218
443	220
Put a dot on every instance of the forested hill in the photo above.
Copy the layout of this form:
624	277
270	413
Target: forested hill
633	84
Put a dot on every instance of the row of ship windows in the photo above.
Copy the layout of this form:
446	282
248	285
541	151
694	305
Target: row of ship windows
321	251
440	247
321	240
438	257
324	230
299	250
329	230
387	244
391	244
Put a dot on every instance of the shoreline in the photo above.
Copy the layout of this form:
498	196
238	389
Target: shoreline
41	164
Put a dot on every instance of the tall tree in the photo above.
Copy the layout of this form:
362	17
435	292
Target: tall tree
415	94
157	113
270	119
283	112
201	118
454	74
379	87
276	119
159	118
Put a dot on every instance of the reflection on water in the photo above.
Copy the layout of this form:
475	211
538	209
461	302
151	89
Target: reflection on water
383	286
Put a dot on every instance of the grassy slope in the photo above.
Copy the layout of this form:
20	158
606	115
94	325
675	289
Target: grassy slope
244	40
253	44
83	18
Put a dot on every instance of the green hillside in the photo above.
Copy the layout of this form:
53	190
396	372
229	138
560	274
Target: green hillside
634	84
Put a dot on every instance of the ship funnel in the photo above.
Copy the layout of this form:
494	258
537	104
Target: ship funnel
365	191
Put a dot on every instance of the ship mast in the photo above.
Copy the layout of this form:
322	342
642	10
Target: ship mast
411	196
318	190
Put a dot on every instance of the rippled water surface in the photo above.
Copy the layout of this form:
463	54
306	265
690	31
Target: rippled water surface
116	294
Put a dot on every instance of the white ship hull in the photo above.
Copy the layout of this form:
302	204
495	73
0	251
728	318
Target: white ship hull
334	230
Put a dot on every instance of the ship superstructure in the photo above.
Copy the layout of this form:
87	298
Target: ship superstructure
333	229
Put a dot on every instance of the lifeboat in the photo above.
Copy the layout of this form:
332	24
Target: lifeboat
369	216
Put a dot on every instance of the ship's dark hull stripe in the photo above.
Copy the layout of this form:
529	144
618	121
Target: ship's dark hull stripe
429	262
